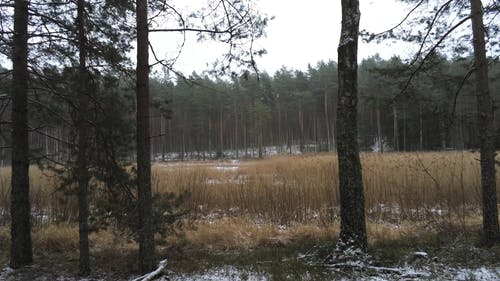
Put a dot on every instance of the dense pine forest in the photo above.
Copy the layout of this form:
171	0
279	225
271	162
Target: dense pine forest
115	164
255	114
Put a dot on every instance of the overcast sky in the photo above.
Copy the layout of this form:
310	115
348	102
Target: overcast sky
302	33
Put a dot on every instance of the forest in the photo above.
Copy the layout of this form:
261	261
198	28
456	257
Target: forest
290	112
115	165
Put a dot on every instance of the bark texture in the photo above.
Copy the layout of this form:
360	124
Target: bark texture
21	251
146	241
352	202
491	233
82	170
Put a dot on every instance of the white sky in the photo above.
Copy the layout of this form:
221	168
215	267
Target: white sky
302	33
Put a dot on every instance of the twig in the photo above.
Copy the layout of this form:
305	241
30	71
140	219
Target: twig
462	83
150	276
436	16
429	53
400	23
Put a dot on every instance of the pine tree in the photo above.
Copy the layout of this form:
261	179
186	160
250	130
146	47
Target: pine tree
21	253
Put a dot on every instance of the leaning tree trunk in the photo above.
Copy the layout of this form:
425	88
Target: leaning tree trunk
83	173
21	252
486	128
146	233
352	202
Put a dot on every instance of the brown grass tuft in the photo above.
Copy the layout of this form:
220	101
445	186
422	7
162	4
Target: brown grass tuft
56	238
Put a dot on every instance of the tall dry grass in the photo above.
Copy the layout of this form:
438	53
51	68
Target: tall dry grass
276	201
288	189
47	203
398	186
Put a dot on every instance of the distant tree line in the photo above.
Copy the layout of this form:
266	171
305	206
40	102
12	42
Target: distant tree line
297	108
247	116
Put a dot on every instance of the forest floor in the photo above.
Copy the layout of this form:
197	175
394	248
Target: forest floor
433	257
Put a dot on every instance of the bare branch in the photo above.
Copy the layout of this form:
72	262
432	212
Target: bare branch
431	51
402	21
460	86
429	29
190	29
37	130
48	158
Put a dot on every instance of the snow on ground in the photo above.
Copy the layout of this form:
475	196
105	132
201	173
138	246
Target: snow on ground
228	273
232	273
5	272
267	151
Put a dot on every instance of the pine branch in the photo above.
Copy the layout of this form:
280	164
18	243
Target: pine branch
48	158
429	29
37	130
191	29
429	53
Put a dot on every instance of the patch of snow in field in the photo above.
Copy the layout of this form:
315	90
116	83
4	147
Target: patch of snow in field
5	272
478	274
226	168
266	151
240	179
228	273
3	216
406	273
421	254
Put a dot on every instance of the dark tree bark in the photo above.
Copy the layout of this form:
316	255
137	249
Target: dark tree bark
21	251
327	119
396	129
379	128
146	233
220	148
82	170
486	128
421	128
352	202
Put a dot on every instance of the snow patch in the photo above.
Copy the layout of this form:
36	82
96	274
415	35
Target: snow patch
227	273
5	272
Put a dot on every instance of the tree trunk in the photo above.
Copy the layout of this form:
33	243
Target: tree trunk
209	137
245	142
352	202
486	128
421	128
281	140
327	122
379	129
146	232
83	174
21	252
163	132
259	143
236	131
396	135
301	128
220	149
404	128
442	134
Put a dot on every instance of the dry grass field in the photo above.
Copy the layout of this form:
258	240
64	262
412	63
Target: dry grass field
291	189
280	200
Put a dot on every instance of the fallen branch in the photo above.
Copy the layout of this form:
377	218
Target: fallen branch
362	266
152	275
380	269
